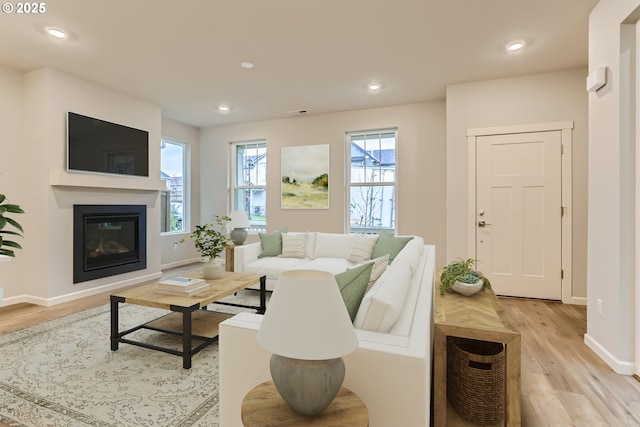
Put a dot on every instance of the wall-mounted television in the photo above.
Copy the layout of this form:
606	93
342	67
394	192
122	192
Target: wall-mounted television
96	145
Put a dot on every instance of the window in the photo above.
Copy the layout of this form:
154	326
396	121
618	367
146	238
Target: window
173	199
249	172
372	186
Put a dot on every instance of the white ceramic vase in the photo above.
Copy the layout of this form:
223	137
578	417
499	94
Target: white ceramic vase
213	269
467	289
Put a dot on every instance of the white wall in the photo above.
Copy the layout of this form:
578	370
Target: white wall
175	255
611	268
420	160
538	98
12	161
48	192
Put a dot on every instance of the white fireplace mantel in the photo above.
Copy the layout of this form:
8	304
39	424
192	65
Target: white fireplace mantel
59	178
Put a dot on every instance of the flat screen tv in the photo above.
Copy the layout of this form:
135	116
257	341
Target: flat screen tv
96	145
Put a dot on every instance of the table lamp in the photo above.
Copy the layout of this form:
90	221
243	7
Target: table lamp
308	330
239	222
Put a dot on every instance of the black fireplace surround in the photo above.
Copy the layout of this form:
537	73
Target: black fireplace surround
108	240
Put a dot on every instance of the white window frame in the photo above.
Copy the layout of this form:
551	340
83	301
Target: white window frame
186	187
349	184
233	175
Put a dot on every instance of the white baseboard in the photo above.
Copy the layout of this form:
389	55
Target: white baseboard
575	301
619	366
180	263
80	294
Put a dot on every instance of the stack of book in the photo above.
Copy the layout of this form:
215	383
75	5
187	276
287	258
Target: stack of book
182	286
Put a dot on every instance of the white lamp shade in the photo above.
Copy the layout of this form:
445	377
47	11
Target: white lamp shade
239	219
307	318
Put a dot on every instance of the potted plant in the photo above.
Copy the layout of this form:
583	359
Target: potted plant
460	277
7	246
210	241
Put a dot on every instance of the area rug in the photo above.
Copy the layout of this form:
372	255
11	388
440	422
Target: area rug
63	373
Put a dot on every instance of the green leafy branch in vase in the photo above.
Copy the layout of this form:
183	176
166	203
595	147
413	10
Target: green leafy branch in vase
210	239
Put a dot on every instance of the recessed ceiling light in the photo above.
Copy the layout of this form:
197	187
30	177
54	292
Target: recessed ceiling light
374	87
56	33
246	64
223	108
515	46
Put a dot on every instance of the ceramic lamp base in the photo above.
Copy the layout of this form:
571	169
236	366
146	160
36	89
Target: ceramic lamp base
308	386
238	236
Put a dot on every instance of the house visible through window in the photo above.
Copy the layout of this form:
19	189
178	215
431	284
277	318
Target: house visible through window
249	181
372	184
173	199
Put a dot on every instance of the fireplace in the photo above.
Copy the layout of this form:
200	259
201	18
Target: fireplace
108	240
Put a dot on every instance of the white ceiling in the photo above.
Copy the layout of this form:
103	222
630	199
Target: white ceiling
315	55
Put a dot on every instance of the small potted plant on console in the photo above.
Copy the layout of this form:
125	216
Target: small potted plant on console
460	277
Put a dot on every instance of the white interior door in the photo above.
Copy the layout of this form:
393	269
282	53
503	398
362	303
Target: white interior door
518	202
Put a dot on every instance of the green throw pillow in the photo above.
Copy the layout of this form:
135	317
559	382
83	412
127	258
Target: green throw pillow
271	243
389	244
353	284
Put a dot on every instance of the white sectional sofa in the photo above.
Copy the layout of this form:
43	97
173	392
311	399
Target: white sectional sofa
390	370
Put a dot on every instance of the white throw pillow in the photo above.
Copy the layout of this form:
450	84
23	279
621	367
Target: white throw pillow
362	248
293	245
332	245
379	266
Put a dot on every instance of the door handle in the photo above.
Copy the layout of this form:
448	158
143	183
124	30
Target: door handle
482	223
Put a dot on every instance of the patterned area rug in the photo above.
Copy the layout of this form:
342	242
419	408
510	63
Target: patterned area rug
63	373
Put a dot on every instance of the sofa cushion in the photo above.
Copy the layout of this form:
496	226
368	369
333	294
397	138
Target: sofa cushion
271	243
389	244
332	265
273	266
293	245
382	305
333	245
353	284
362	248
412	252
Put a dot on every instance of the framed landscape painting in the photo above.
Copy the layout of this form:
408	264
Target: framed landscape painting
305	177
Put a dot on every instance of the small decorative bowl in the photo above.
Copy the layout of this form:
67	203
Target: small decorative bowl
467	289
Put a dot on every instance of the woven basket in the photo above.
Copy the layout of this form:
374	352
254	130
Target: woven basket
475	380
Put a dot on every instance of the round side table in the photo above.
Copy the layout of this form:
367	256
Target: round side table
263	407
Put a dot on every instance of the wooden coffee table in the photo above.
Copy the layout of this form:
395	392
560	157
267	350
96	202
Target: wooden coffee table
190	317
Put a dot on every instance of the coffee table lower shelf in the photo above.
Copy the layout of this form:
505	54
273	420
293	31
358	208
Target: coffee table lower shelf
204	329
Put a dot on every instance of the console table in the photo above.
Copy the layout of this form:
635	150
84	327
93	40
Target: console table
263	407
479	317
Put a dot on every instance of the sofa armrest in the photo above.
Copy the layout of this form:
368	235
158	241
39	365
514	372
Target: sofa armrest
374	371
244	254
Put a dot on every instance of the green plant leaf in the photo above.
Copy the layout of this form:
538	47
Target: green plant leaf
13	208
7	252
11	244
14	223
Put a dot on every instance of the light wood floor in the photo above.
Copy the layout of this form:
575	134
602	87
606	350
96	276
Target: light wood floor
563	382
